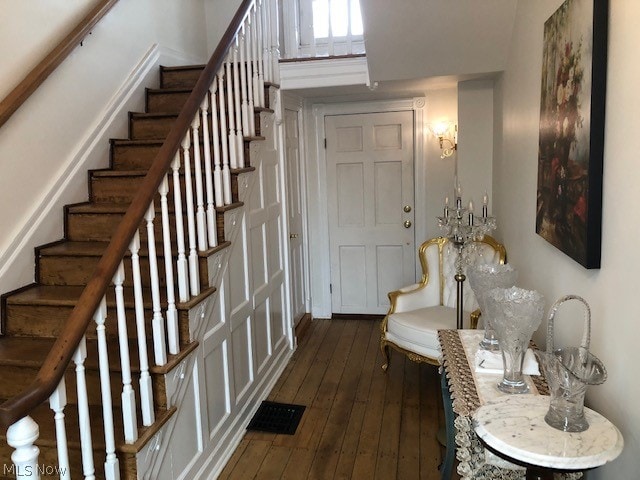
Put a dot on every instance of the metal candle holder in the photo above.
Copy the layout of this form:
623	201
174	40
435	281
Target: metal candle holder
463	228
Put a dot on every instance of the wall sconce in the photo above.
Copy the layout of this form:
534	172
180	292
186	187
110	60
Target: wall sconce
448	142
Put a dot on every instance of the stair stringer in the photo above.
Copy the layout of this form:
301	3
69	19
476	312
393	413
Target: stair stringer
199	439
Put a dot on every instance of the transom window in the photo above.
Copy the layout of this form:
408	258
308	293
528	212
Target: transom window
318	28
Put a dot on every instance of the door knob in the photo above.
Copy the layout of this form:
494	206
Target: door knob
407	208
407	224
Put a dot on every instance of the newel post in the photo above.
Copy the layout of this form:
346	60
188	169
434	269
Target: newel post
22	436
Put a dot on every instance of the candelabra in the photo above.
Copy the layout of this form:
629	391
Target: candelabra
463	228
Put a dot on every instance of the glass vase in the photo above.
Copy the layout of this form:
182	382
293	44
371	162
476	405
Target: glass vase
569	371
516	313
482	279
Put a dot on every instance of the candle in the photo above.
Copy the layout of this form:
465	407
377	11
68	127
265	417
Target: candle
470	213
446	207
485	205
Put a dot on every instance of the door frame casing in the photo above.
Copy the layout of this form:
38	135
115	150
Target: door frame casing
316	188
294	103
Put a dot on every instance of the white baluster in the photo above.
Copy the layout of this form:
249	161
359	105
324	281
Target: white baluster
201	218
208	174
275	47
226	176
146	393
57	402
267	41
129	416
257	57
233	158
254	56
172	313
22	436
111	466
84	417
217	169
238	107
181	263
260	47
157	322
194	282
250	99
243	81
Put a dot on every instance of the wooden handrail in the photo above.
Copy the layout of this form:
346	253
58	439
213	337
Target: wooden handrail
76	325
40	72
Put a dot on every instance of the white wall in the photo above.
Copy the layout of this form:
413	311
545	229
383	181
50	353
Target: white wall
51	134
612	290
424	38
218	14
475	143
442	105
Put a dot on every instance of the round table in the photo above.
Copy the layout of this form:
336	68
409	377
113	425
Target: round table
514	426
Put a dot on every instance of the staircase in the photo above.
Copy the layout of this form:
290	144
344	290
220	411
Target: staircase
33	315
119	410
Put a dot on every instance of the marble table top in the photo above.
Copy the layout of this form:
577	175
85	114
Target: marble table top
514	426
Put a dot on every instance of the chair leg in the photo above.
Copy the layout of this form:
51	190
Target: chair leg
385	356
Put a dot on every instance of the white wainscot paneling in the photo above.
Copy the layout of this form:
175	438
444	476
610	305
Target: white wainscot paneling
243	186
214	266
239	270
217	385
232	219
218	382
276	314
186	441
256	199
258	255
272	180
179	444
242	348
274	247
262	335
147	458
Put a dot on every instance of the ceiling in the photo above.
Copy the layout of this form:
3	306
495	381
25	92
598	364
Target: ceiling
420	39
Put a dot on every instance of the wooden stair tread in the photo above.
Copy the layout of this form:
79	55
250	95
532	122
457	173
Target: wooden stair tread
95	208
101	207
24	351
137	143
68	295
169	90
75	248
118	173
31	352
146	115
181	68
143	173
43	416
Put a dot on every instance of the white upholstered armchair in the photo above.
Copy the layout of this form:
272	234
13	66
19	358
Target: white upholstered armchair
417	312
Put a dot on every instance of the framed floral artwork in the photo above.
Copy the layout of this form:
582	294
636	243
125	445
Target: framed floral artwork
571	142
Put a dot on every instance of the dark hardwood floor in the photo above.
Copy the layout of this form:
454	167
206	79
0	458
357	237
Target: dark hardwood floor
359	422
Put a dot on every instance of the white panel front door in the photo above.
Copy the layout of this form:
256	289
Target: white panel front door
370	202
295	210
